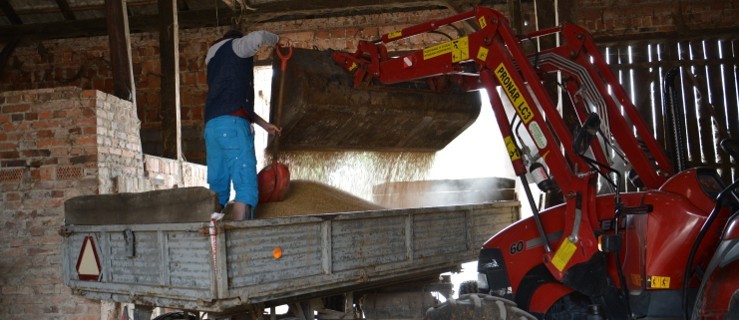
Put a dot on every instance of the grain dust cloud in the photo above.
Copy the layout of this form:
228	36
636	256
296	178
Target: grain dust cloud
476	153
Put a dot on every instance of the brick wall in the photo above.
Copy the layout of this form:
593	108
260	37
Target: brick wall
56	144
629	17
47	154
85	62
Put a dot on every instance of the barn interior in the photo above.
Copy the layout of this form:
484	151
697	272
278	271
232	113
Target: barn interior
108	96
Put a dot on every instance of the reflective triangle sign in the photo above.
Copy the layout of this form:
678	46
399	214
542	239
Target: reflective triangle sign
88	264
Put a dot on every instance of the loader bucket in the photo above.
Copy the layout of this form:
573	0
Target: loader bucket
322	111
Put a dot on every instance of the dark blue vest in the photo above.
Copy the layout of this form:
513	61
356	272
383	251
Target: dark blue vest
230	83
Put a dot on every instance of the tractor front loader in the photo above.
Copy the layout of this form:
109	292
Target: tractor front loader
670	250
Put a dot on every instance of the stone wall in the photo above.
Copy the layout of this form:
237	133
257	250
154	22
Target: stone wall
56	144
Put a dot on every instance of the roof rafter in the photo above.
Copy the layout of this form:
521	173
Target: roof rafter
66	11
10	12
208	18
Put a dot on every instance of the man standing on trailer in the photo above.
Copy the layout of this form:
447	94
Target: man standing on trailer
229	115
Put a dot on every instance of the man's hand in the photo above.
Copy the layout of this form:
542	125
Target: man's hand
272	129
284	43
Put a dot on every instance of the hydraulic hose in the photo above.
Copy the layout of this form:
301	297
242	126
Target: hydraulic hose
675	123
535	213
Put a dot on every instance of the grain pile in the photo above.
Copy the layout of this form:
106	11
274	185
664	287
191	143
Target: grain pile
309	197
357	171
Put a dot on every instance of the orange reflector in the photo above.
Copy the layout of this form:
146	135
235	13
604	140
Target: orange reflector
277	253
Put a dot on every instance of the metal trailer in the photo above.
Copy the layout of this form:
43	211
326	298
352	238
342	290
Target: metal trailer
233	267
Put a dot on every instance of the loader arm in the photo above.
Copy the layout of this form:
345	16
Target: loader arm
594	88
489	58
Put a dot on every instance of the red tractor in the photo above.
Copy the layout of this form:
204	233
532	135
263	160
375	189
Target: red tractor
670	250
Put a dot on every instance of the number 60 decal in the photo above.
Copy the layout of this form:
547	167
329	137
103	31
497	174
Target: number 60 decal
516	247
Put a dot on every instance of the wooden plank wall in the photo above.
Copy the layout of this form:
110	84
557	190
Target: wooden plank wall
707	86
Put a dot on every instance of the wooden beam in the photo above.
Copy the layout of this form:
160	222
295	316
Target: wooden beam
10	12
290	10
7	53
120	50
728	33
546	17
564	10
515	15
66	11
170	92
207	18
460	6
182	5
229	3
98	27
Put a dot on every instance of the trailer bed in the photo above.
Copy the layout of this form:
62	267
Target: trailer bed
172	265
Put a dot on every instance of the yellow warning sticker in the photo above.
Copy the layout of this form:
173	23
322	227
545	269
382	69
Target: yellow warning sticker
395	34
353	66
658	282
482	22
512	150
514	94
482	54
564	254
459	49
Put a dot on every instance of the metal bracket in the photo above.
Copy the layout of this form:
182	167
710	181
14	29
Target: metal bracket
130	240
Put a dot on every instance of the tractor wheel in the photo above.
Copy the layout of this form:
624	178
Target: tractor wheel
477	306
466	287
571	306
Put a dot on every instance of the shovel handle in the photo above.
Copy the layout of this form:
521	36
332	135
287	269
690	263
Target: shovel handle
284	58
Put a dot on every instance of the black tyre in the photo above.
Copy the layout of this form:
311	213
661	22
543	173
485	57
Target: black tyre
467	287
179	315
573	306
477	306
